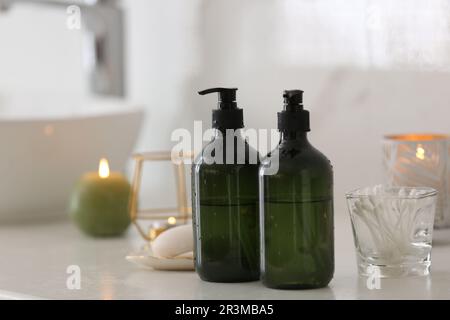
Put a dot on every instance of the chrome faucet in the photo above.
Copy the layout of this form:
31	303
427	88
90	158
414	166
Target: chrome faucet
103	43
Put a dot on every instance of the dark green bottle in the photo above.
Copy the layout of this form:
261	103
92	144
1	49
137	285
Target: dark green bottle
225	199
297	231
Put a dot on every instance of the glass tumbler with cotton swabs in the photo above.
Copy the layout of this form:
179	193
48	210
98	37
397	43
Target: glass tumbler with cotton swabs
392	229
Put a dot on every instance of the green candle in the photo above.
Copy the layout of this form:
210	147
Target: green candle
99	203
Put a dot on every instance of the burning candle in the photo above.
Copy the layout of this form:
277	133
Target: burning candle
420	160
99	203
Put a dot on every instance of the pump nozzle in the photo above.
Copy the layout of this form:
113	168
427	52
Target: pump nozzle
228	115
227	96
292	98
293	117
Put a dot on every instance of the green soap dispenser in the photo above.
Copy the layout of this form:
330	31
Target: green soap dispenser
225	199
296	206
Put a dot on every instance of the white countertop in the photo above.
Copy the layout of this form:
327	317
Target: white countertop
35	258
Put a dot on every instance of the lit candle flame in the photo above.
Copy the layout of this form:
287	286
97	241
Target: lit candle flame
172	220
103	168
420	152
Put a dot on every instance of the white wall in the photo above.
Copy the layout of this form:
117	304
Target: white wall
367	67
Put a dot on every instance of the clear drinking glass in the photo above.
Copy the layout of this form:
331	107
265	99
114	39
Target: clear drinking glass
392	229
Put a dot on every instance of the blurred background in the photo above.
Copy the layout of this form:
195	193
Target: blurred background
368	68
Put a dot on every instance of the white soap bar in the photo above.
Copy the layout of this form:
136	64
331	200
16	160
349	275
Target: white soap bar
174	242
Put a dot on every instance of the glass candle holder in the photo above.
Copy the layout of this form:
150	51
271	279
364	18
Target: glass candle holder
415	160
392	229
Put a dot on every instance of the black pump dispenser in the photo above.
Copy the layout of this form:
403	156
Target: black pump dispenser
293	117
225	211
228	115
296	206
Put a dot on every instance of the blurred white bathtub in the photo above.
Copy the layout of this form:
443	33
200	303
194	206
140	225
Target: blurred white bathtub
44	148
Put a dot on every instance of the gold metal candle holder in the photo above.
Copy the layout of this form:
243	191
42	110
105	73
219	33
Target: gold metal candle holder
181	213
